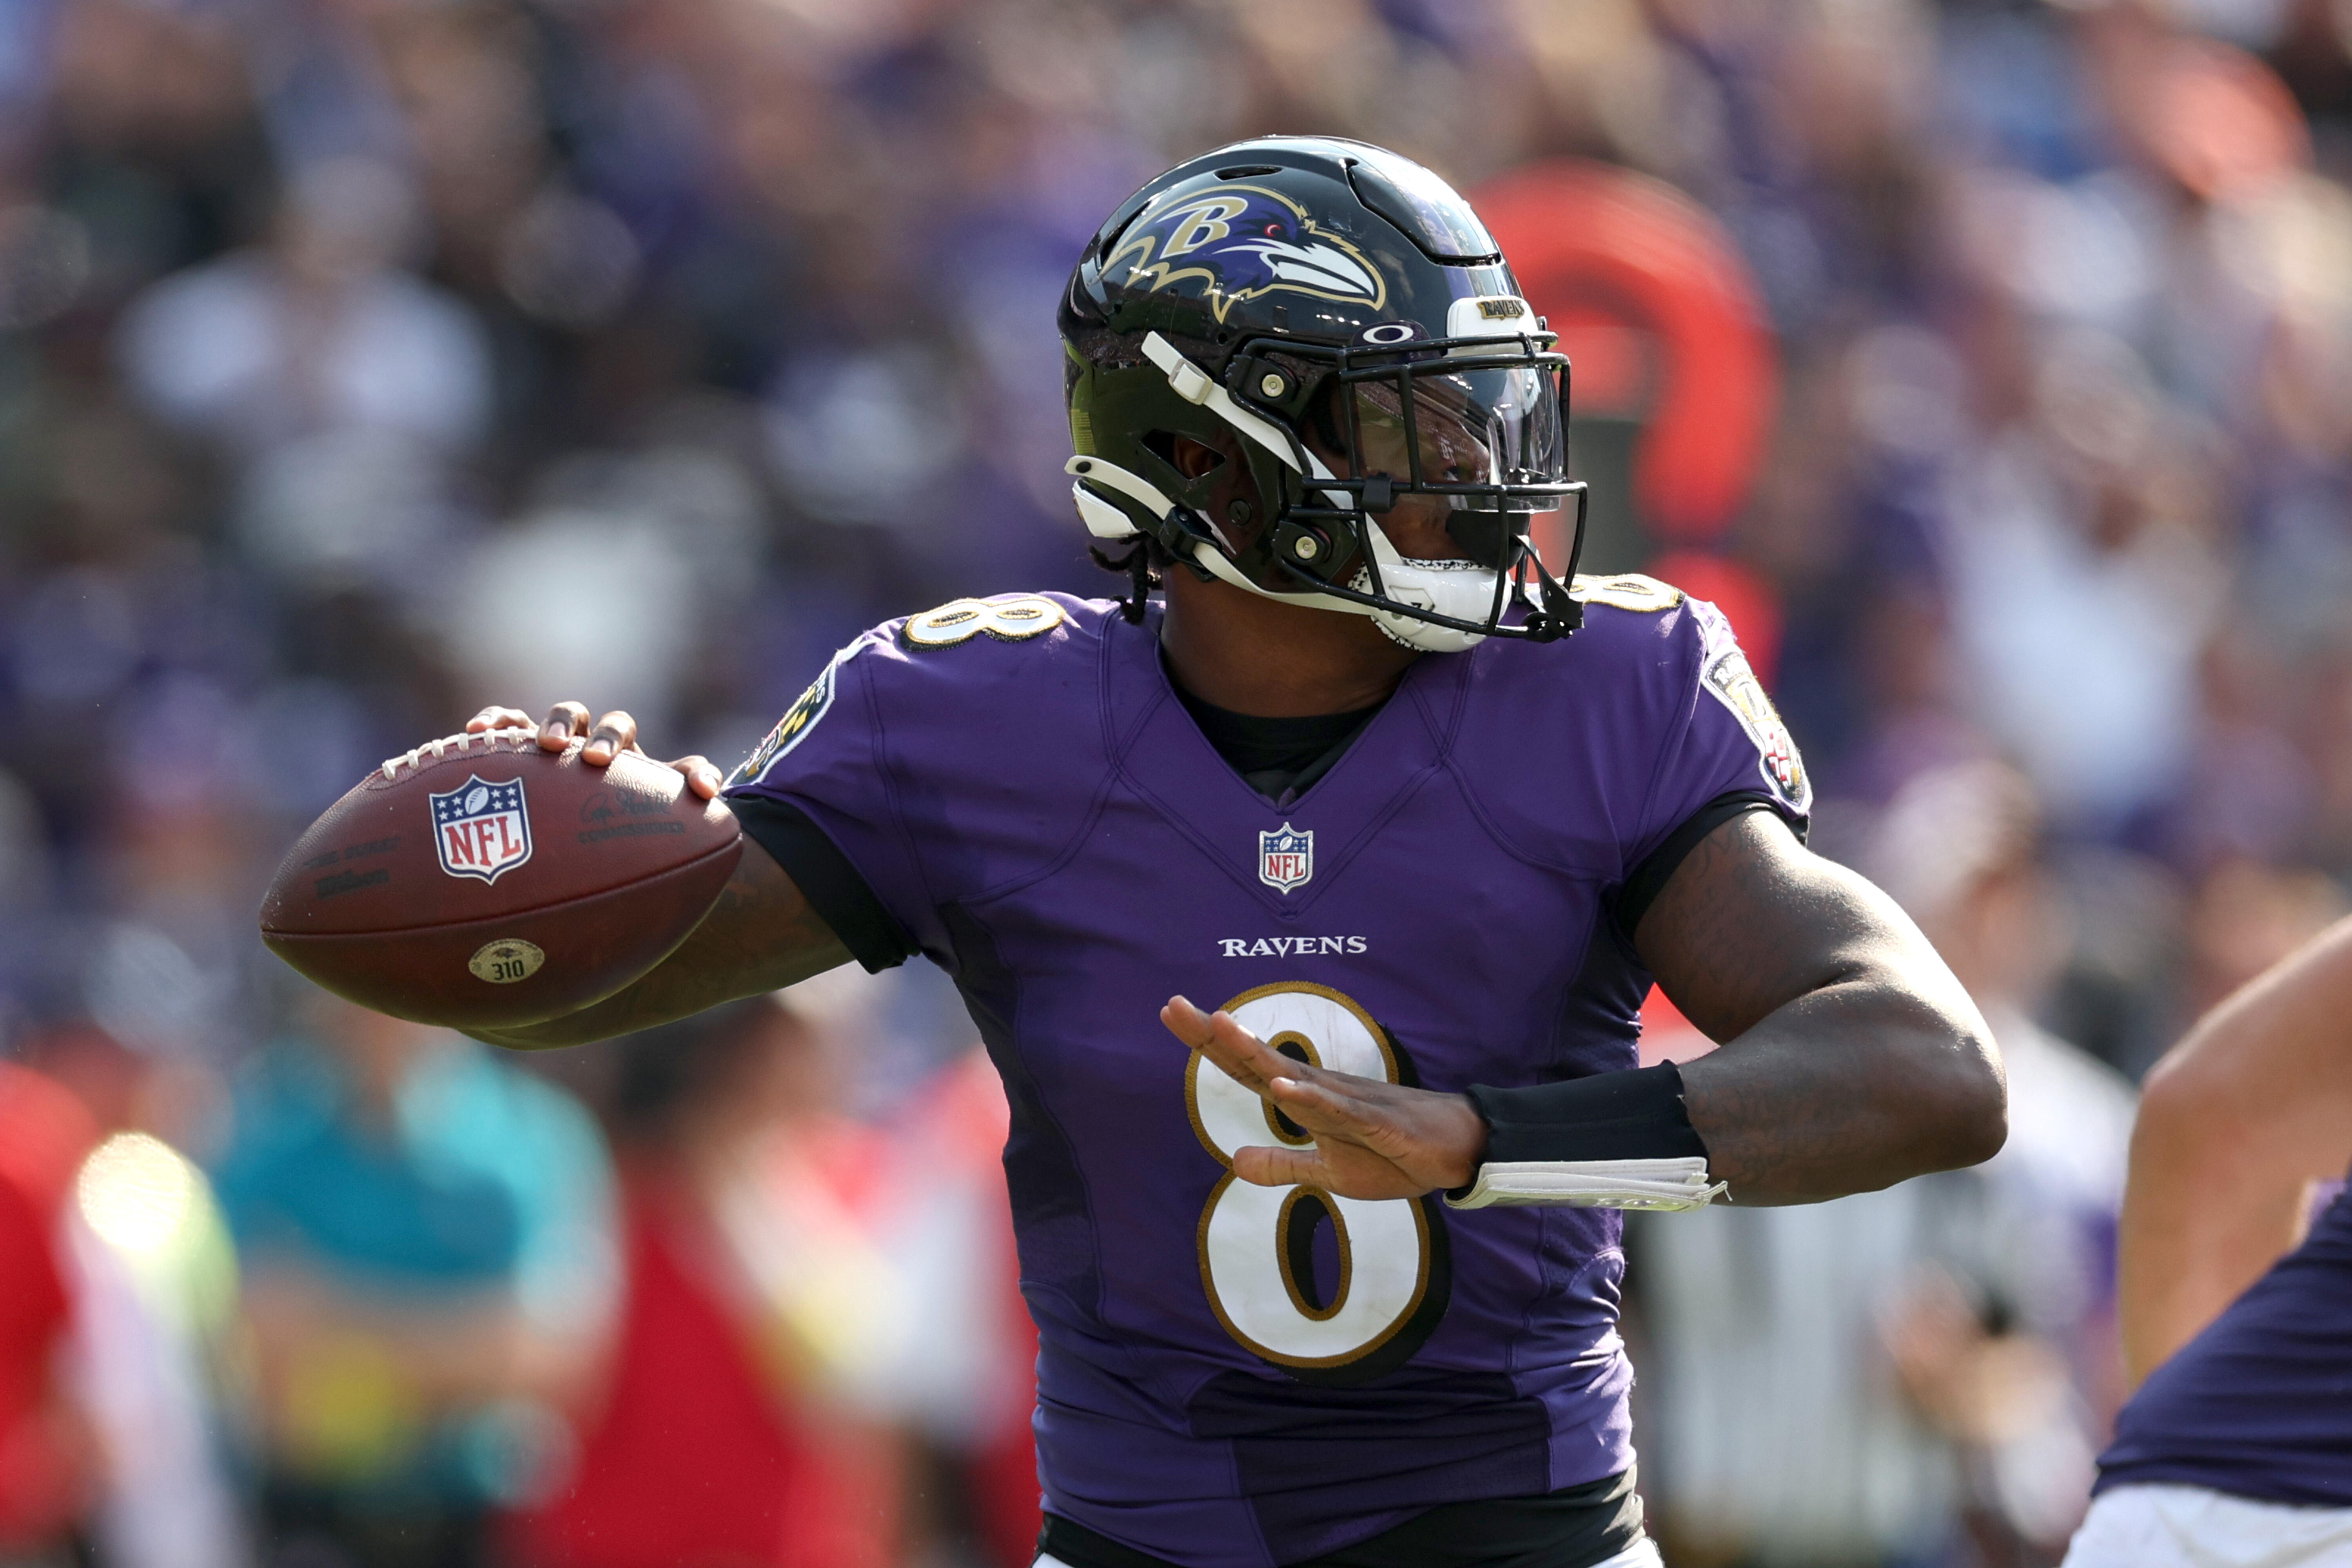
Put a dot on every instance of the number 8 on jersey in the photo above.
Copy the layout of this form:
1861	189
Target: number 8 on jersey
1257	1244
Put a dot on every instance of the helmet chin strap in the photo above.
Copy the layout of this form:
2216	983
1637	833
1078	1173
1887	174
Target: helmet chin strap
1457	589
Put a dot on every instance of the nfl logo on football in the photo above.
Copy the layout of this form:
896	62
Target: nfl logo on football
1285	857
481	830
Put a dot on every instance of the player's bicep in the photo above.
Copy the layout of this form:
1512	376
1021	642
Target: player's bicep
2271	1067
760	935
1752	921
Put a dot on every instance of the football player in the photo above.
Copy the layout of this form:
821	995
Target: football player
1407	821
2236	1302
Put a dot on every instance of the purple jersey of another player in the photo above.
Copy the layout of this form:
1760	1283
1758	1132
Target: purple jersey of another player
1232	1376
2260	1403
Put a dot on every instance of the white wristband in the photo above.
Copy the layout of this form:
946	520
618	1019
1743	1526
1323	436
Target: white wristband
1667	1185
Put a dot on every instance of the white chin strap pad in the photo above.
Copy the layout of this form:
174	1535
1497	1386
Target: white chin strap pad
1461	589
1457	588
1465	595
1105	520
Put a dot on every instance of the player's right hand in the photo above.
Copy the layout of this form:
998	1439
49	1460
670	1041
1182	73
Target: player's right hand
608	737
1372	1140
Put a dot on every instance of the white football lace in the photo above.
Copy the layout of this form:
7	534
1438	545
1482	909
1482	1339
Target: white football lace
436	748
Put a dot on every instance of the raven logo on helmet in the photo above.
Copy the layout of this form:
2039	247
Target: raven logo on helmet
1238	242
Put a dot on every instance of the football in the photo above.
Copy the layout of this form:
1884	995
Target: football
480	880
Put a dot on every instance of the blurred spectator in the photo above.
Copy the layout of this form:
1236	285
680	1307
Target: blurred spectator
323	331
158	1295
427	1240
1901	1376
2031	1379
49	1454
966	1375
673	531
728	1430
346	383
2080	596
2246	917
155	1278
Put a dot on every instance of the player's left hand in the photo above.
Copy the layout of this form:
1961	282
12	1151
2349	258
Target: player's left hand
1372	1140
608	737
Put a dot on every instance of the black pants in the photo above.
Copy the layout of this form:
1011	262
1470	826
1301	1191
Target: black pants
1574	1527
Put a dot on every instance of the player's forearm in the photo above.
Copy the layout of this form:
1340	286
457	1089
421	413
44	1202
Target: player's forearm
1855	1086
2235	1125
1851	1058
684	984
760	936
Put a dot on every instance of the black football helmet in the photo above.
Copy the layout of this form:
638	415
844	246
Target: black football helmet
1295	296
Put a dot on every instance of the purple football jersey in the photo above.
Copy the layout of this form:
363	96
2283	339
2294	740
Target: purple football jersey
2259	1403
1232	1376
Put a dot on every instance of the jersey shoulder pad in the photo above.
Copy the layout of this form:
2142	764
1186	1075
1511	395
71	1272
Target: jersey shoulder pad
929	670
1626	591
978	643
970	656
1029	663
1002	618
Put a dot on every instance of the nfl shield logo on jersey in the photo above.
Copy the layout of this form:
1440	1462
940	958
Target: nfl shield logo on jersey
481	830
1285	857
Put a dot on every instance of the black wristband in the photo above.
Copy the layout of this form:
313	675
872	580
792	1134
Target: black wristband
1633	1115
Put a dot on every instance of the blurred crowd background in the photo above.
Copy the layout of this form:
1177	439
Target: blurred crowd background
365	361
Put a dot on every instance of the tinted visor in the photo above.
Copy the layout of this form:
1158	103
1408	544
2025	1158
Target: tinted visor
1489	439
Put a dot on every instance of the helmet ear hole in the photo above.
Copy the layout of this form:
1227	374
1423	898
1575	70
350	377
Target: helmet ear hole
1193	459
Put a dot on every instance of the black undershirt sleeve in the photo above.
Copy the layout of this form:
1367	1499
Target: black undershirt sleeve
832	885
1648	878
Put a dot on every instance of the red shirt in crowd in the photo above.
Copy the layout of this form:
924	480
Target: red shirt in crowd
694	1459
45	1464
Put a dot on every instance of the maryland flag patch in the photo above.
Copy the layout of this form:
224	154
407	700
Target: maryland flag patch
1734	684
794	727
